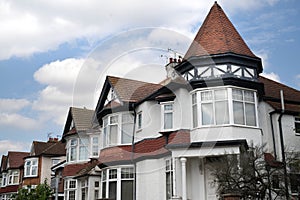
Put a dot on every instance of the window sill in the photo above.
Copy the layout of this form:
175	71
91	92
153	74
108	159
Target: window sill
31	176
227	125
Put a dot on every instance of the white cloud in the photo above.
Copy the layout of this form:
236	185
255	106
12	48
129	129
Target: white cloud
8	145
18	121
38	26
272	76
13	105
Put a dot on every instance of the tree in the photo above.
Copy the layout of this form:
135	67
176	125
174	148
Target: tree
41	192
252	174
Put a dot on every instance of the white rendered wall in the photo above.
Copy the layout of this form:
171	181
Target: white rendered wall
150	180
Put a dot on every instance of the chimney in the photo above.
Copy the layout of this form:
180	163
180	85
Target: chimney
53	139
171	72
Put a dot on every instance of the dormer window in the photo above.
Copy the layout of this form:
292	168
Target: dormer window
224	106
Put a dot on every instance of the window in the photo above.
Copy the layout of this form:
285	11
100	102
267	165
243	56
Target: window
297	125
169	178
13	178
194	110
294	174
84	189
83	148
118	180
31	167
70	189
139	120
167	115
127	128
4	179
223	106
95	146
244	107
117	129
96	192
77	149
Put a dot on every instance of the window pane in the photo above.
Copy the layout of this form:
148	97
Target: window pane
113	174
127	130
250	114
83	153
237	94
238	113
194	98
34	170
103	189
206	96
168	120
222	115
127	190
207	113
71	195
249	96
139	120
127	173
195	116
113	134
168	107
220	94
113	119
112	190
73	153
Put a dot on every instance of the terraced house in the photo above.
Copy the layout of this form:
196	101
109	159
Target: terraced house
11	173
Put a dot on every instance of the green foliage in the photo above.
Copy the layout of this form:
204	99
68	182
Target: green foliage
41	192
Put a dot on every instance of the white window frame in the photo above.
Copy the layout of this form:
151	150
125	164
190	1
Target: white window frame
170	165
76	144
4	179
297	121
84	189
69	189
107	178
95	146
106	130
164	111
11	177
139	119
31	167
230	100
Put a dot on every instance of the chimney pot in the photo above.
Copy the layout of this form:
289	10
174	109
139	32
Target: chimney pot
171	60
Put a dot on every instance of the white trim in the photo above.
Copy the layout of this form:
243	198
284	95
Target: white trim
163	112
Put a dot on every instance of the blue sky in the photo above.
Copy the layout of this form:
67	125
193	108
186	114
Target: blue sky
56	55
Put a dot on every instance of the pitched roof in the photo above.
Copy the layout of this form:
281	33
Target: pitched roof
15	159
272	95
87	170
132	90
217	35
82	118
73	169
48	148
3	163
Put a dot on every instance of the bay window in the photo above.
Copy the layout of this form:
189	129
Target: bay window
221	106
4	179
117	183
95	146
78	149
117	129
31	167
83	148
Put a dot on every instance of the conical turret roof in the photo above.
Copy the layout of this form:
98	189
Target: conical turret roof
217	35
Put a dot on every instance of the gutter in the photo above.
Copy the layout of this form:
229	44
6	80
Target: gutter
273	134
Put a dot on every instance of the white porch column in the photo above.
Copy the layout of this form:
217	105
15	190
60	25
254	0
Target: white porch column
183	174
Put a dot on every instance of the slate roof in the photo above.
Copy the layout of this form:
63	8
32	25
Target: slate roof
272	95
217	35
48	148
129	90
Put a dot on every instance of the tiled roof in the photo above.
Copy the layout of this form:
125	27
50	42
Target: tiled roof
112	104
87	169
132	90
82	118
3	163
217	35
272	95
146	148
9	189
15	159
73	169
48	148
